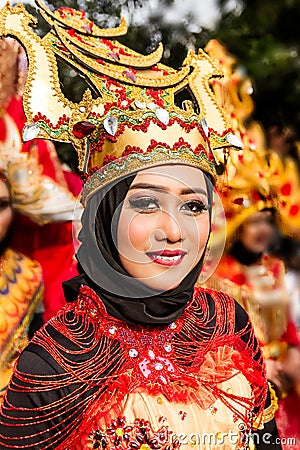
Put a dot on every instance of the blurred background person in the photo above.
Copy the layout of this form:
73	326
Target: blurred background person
45	193
260	192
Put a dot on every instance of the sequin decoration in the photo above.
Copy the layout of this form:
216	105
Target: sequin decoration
83	129
133	353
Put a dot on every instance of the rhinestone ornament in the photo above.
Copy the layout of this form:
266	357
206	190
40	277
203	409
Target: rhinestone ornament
110	124
140	105
133	353
112	330
158	366
168	347
204	126
152	106
113	55
162	115
234	140
151	354
83	129
130	75
30	132
246	203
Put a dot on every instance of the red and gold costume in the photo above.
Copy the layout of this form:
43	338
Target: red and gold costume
115	385
261	290
92	377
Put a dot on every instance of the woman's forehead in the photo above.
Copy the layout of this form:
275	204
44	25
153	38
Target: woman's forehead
172	177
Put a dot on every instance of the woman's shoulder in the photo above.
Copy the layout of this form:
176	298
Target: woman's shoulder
213	296
223	304
36	361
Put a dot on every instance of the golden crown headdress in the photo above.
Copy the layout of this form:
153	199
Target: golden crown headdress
136	119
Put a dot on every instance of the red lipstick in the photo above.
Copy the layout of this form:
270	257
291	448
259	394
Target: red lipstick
167	257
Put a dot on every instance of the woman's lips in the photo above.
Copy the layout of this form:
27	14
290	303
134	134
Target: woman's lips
167	257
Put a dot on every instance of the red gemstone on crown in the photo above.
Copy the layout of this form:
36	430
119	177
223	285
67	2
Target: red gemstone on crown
83	129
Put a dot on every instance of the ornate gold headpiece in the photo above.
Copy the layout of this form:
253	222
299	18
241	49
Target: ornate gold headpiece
255	178
136	119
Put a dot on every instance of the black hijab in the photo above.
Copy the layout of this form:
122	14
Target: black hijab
124	297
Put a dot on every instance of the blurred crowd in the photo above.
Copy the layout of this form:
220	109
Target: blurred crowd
260	192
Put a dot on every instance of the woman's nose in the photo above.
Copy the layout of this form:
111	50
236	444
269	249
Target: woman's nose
169	228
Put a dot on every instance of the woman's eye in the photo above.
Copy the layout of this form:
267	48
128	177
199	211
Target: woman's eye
4	204
145	204
194	207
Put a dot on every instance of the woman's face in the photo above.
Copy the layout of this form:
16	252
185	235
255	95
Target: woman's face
5	211
257	232
164	225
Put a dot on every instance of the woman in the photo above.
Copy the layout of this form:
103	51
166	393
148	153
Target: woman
165	364
139	357
21	291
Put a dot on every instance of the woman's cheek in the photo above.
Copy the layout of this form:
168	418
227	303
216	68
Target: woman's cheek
139	234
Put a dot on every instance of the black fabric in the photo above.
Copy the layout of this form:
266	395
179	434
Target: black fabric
36	323
5	243
244	256
137	303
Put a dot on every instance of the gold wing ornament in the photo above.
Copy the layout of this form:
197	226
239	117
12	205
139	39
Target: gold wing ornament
33	193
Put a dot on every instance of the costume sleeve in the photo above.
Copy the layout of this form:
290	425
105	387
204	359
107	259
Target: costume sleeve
46	398
21	422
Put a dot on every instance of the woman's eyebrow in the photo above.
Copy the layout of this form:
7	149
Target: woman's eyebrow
187	191
155	187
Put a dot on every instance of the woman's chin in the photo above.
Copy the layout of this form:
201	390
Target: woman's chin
159	283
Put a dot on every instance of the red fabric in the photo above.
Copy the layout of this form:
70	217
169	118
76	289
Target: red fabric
52	246
214	358
2	130
288	421
74	183
290	335
15	110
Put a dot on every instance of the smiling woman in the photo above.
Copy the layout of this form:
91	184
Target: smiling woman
141	356
164	225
